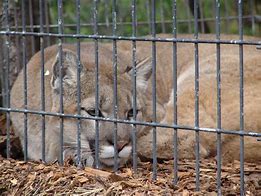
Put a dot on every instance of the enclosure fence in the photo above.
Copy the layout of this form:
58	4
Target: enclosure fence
29	26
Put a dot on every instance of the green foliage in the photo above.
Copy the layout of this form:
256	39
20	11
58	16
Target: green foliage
143	13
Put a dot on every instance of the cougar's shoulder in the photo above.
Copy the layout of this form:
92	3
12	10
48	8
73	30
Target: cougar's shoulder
230	77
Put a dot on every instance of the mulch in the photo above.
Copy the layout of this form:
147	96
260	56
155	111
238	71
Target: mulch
36	178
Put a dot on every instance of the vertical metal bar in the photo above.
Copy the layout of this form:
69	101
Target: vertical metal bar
134	100
31	20
163	27
60	51
196	93
78	48
115	93
42	79
97	99
6	69
25	82
153	51
175	113
251	7
241	68
218	78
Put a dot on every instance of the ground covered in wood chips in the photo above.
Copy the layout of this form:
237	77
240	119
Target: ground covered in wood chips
35	178
20	178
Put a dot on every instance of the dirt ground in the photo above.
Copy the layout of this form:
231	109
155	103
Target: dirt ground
34	178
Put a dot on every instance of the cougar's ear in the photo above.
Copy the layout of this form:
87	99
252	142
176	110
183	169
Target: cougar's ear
68	70
143	73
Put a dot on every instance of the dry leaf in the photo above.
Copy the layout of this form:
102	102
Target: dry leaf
115	178
185	193
127	172
96	172
39	167
82	179
31	177
14	181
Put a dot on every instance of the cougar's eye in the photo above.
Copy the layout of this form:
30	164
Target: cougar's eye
131	113
91	112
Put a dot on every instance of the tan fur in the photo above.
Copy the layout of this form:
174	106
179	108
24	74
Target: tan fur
207	98
52	101
185	69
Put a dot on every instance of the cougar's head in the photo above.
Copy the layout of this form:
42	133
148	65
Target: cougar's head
109	132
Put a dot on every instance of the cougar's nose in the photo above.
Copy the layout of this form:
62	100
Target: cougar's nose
121	145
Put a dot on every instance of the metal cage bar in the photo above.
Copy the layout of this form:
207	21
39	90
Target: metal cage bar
146	39
134	85
97	100
42	81
60	60
250	133
24	49
175	110
218	79
196	57
241	94
79	67
115	82
154	98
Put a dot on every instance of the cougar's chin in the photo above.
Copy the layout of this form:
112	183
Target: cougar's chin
107	155
110	162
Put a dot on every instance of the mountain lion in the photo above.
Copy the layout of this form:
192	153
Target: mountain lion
230	98
69	80
164	80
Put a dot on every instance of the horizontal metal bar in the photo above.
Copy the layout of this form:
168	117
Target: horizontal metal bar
151	124
123	38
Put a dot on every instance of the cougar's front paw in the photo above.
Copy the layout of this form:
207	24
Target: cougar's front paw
187	145
204	152
87	159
